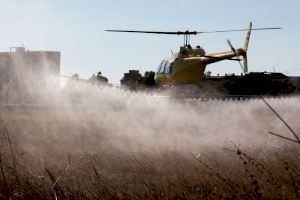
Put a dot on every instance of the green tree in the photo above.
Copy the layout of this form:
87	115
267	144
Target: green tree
75	77
98	79
148	79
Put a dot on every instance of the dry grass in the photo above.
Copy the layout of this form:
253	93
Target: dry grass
38	162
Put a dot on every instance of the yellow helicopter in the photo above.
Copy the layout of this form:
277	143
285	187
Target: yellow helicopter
188	65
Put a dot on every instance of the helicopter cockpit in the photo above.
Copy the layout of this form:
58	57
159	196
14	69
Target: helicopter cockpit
165	67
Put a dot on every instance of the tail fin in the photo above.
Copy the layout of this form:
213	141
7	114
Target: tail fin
248	37
245	68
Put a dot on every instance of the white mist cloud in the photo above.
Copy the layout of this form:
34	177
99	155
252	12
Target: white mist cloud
87	117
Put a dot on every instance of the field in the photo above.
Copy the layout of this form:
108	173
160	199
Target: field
111	144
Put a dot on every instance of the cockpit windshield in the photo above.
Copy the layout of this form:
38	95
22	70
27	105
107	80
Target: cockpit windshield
161	67
165	67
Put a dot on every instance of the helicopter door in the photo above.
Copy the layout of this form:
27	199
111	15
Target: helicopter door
171	67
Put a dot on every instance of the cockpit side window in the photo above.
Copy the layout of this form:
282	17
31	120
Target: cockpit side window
160	66
167	67
163	67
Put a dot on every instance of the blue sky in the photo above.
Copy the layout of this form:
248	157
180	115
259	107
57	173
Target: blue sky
76	29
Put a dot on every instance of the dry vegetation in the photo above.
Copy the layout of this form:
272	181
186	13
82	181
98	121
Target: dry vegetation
79	152
113	174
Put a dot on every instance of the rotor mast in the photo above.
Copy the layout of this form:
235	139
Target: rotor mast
187	36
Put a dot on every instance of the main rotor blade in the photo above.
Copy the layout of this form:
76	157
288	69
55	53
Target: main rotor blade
157	32
236	30
192	32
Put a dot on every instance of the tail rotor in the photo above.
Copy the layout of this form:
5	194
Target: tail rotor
237	55
243	51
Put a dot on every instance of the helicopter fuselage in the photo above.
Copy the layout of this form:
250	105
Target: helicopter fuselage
188	65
